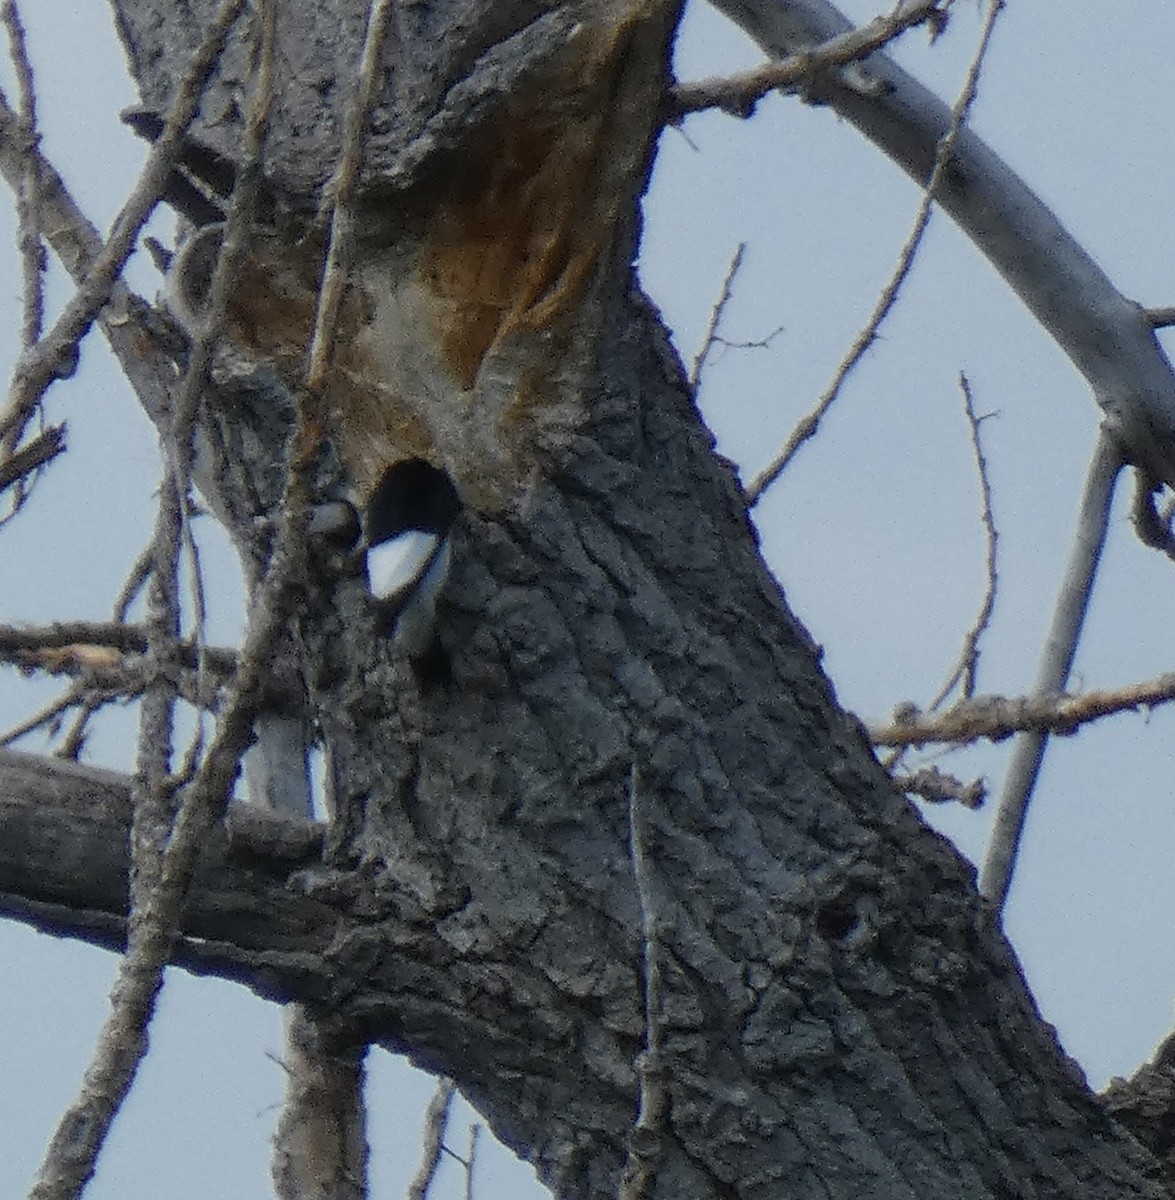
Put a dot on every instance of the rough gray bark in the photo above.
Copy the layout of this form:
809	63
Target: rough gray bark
838	1017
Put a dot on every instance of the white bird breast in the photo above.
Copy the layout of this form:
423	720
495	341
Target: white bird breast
395	566
406	574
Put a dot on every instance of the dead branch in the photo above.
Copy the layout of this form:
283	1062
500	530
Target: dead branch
436	1121
1055	662
809	425
719	307
998	717
71	1156
29	235
937	787
55	355
16	467
738	94
1055	277
967	664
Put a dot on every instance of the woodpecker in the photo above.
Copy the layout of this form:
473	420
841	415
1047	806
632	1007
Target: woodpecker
407	516
406	538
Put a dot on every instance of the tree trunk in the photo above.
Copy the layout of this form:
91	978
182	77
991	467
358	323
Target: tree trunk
835	1015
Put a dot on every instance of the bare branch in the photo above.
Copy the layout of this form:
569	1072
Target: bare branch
1152	527
738	94
337	197
320	1152
345	1174
45	447
136	579
72	1154
470	1160
16	640
968	662
711	336
1048	269
69	825
18	463
1053	670
999	717
432	1138
78	245
936	787
32	248
1160	318
43	716
55	355
808	427
32	646
74	741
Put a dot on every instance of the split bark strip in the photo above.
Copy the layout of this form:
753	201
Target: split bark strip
645	1139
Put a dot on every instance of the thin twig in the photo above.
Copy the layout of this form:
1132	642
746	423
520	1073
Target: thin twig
471	1159
136	579
736	262
337	198
1053	669
998	717
45	447
432	1138
156	902
808	427
43	716
74	741
967	666
55	355
32	247
1161	318
738	94
936	787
